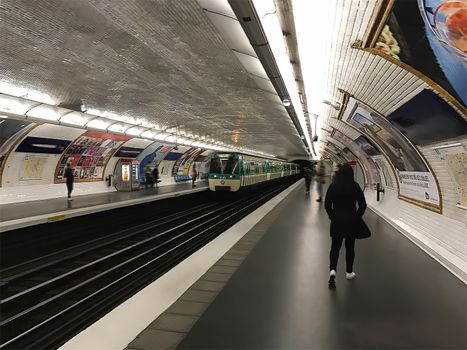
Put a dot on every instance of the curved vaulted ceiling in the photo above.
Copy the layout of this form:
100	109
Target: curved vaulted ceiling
160	60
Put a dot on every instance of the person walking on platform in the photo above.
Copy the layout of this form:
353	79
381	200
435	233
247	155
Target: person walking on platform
155	175
70	178
147	175
340	204
319	177
308	174
194	175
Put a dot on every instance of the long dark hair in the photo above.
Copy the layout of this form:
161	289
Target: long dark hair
344	177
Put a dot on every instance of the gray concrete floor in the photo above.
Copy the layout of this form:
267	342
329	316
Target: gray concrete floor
32	208
278	298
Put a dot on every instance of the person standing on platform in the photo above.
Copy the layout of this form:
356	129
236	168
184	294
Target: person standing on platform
70	178
194	175
308	174
340	204
319	177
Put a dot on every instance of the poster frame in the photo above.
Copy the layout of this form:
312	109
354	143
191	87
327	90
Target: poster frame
373	31
13	146
431	207
60	181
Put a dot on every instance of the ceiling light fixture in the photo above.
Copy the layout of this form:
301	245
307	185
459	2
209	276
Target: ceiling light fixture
314	24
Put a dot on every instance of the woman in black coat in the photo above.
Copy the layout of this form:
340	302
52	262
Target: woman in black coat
340	203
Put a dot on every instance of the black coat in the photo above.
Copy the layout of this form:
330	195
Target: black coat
69	175
340	204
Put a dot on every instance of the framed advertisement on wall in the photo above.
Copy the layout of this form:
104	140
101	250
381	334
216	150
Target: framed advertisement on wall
89	155
416	182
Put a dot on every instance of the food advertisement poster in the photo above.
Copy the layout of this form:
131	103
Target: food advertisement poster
416	182
455	159
365	161
427	118
430	36
89	155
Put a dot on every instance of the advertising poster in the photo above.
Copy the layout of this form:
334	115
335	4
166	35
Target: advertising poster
455	158
384	171
430	36
401	153
32	168
419	186
427	118
11	131
89	155
152	155
181	169
365	161
126	172
416	182
335	152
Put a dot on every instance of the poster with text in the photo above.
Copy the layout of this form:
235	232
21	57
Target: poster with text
11	131
89	155
455	158
430	36
32	167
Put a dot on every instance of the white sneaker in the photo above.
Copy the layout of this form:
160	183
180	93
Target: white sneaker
70	199
332	277
350	276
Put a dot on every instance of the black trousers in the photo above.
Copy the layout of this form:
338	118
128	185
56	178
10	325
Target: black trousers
307	184
69	186
349	252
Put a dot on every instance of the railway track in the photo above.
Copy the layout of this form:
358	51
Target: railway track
46	301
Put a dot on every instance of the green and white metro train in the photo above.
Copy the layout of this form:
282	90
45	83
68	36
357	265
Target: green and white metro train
234	171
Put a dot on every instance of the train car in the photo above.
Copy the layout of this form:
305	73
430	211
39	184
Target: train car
234	171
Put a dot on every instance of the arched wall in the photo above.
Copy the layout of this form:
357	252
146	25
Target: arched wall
30	173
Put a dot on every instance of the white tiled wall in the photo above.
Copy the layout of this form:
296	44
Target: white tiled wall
443	236
447	186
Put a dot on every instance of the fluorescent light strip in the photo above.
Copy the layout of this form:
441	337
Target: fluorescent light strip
104	121
267	13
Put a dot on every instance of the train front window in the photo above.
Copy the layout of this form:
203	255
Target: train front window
215	166
224	165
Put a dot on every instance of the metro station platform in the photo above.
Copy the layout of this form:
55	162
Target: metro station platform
270	291
23	214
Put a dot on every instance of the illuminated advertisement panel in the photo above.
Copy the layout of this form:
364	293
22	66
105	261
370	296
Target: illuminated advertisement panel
89	155
416	182
430	36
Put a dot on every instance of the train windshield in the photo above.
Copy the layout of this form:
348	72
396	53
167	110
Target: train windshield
224	164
